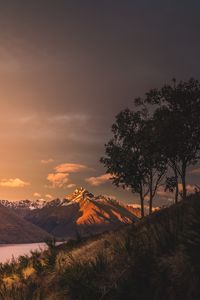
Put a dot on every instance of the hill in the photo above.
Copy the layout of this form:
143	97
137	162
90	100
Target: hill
14	229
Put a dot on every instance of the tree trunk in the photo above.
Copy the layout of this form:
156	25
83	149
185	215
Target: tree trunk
151	194
176	189
176	193
142	205
184	193
150	204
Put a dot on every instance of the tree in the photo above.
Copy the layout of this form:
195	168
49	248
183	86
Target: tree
166	124
177	113
154	161
132	156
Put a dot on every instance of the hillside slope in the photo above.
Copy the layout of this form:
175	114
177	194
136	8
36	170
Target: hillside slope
14	229
155	258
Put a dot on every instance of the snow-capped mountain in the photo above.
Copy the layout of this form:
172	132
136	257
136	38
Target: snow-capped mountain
78	196
24	204
80	212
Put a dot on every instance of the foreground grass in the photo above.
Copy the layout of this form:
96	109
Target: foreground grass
157	258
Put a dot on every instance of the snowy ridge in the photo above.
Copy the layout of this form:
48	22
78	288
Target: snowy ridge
78	196
24	204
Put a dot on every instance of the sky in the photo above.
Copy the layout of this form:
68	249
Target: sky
66	69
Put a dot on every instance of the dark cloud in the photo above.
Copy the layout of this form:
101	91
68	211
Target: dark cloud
67	68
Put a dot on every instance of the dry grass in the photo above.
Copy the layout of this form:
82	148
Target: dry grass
158	258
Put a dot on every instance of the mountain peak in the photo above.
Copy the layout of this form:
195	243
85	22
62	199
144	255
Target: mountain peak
79	193
79	190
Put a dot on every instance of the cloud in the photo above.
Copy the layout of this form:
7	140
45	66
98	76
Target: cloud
48	196
71	185
58	180
47	161
195	171
70	168
161	192
38	195
166	195
190	188
96	181
69	118
14	183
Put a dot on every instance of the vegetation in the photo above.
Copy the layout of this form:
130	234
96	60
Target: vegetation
163	135
133	156
177	118
156	258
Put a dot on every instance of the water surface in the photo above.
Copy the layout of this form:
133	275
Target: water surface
8	251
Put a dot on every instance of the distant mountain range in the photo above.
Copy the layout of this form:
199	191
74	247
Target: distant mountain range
79	214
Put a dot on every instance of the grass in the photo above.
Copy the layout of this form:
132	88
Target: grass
157	258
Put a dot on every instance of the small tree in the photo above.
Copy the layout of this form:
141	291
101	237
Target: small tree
177	107
154	160
132	157
166	124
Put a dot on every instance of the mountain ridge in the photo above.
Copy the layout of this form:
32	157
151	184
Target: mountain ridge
81	213
78	214
78	195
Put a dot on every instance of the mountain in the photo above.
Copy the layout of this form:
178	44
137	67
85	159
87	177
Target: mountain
14	229
24	204
81	213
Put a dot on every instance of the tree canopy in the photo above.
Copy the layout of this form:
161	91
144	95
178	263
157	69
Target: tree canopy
159	140
132	156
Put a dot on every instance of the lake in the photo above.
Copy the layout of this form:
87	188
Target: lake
7	251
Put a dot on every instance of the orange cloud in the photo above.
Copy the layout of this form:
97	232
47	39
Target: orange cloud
58	180
161	192
71	185
70	168
14	183
48	196
190	188
38	195
47	161
96	181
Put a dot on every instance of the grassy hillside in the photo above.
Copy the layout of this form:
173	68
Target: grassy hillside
156	258
13	229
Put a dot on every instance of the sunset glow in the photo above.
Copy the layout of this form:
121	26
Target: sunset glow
99	150
63	80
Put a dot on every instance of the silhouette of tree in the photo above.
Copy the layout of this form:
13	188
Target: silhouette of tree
132	156
177	114
167	130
